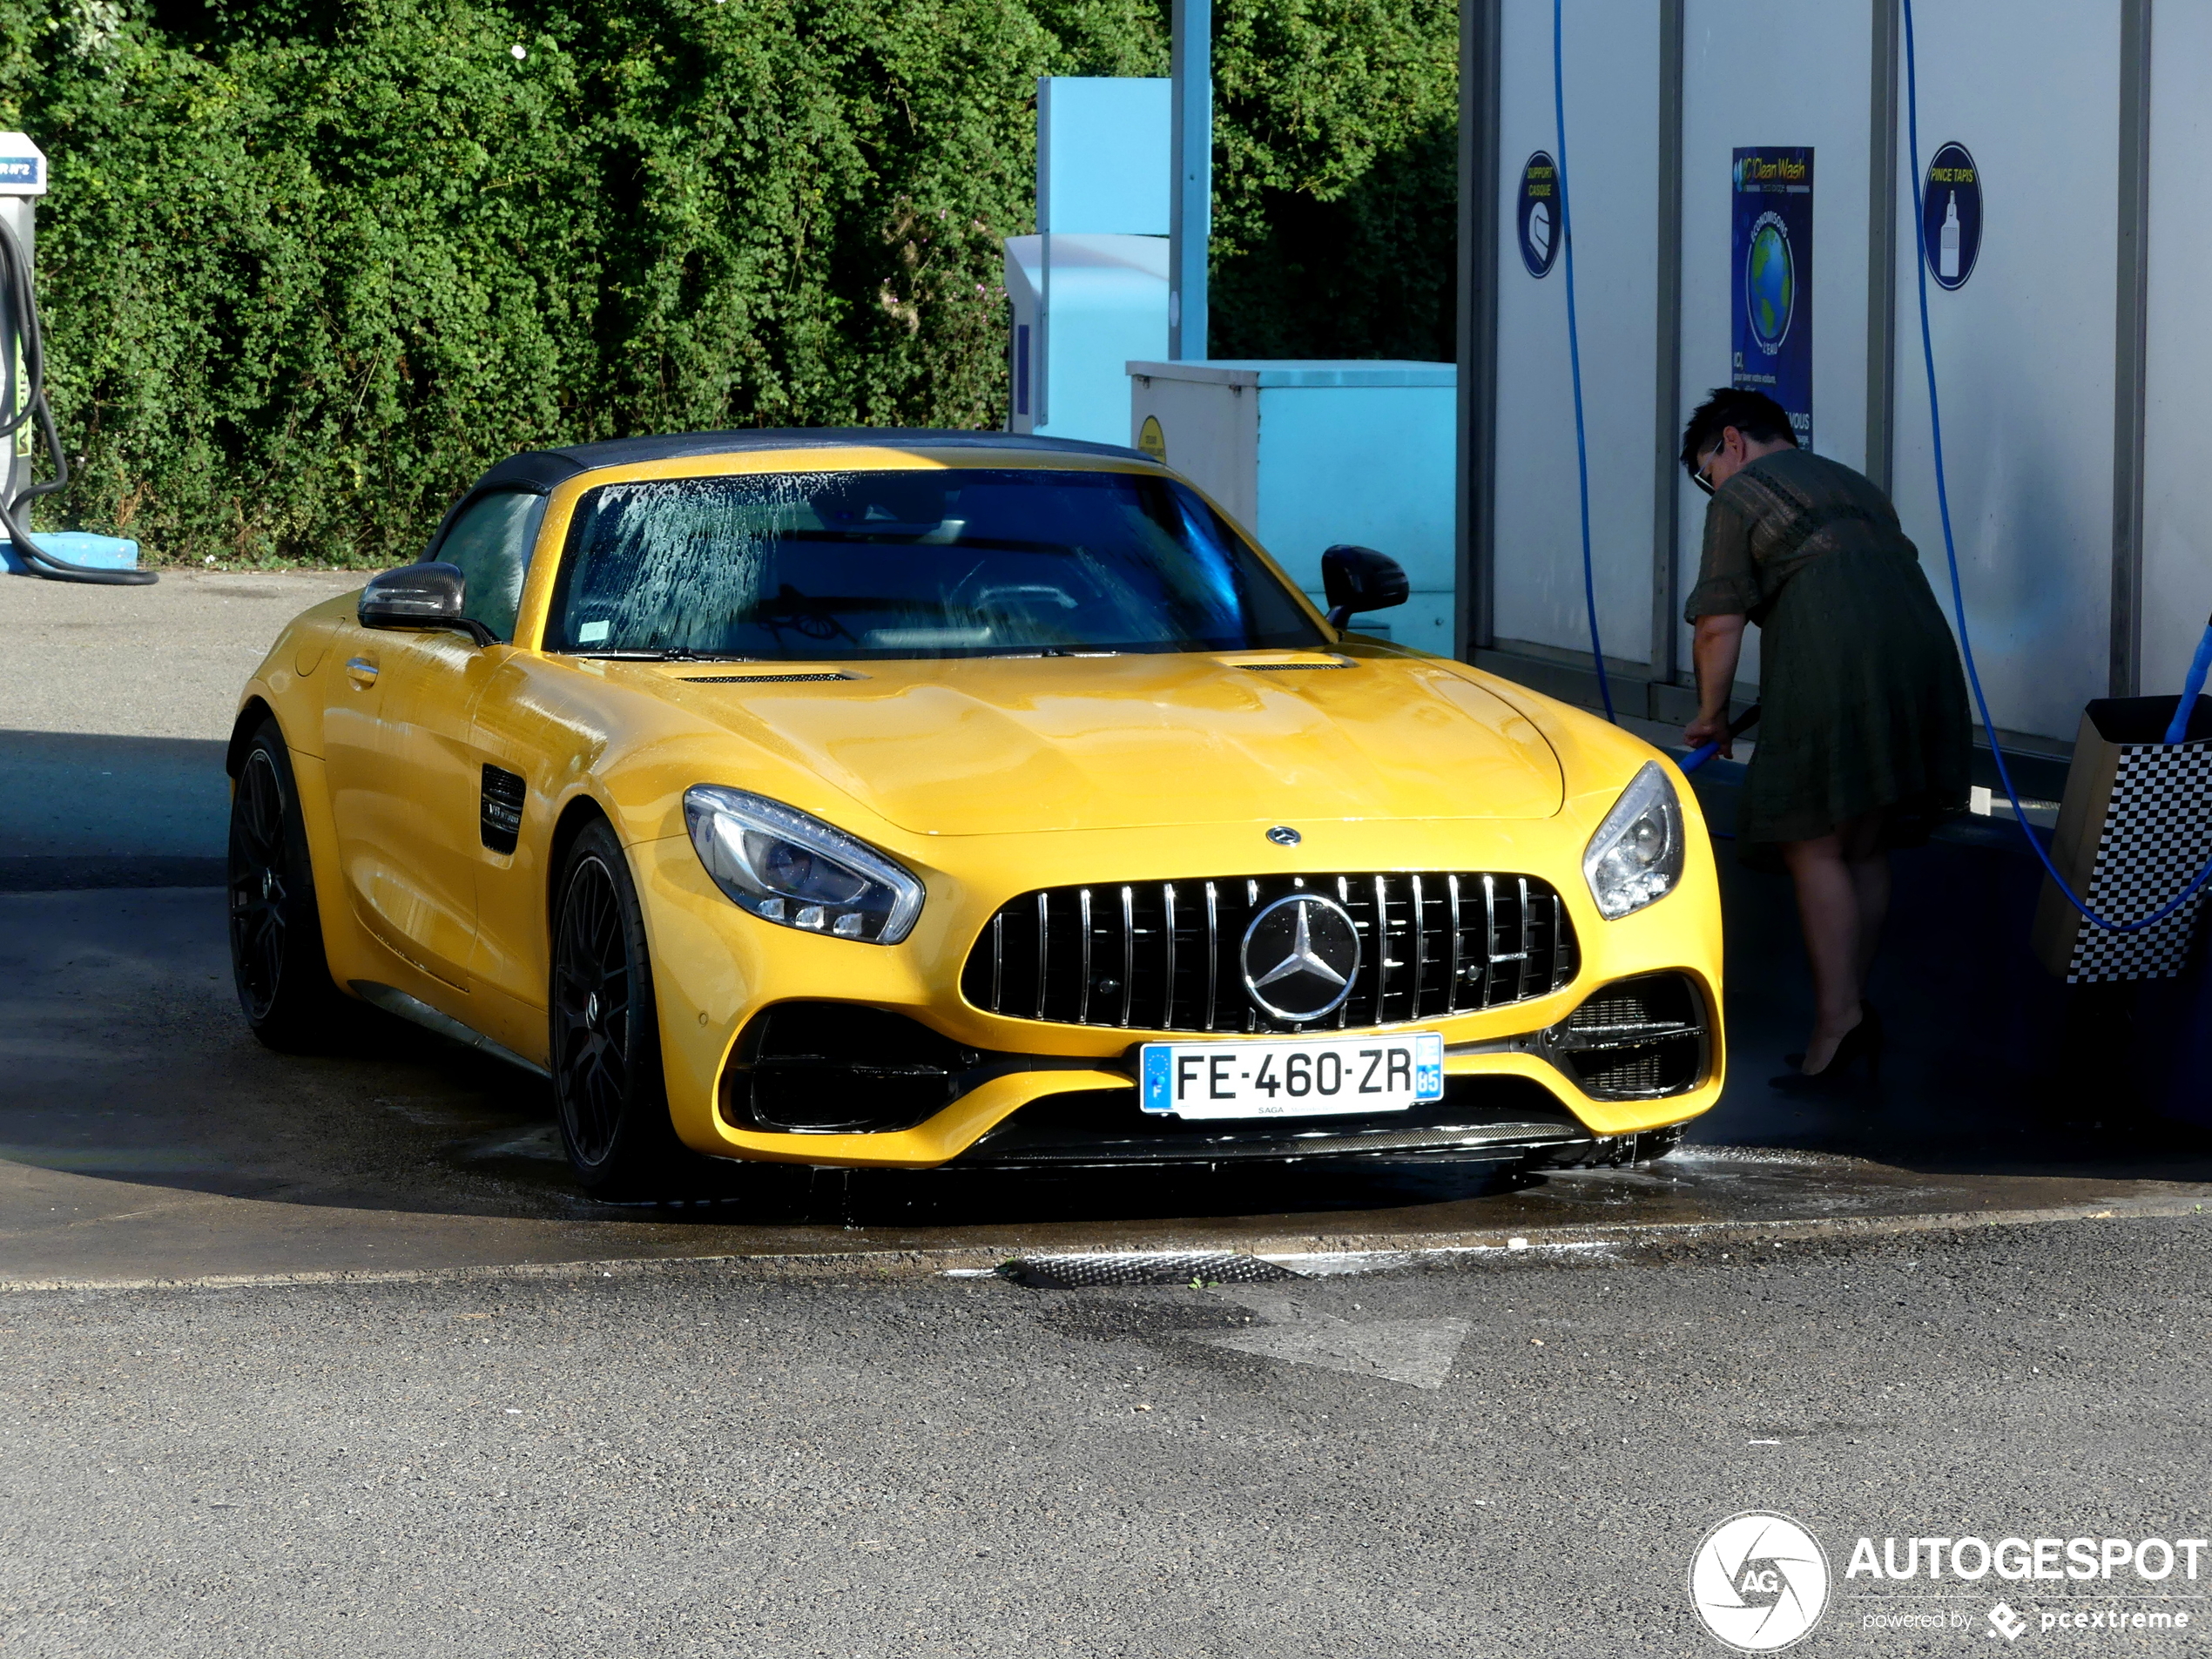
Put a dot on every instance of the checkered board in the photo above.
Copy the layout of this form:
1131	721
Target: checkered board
2157	835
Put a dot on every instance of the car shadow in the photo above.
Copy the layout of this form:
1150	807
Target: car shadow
130	1062
511	1139
80	810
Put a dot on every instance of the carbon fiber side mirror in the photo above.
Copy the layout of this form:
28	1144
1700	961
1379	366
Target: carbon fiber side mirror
420	597
1358	578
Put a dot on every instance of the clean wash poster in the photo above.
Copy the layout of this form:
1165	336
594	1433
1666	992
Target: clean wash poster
1772	276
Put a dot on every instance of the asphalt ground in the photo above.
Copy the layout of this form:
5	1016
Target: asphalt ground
166	661
114	706
325	1357
1515	1457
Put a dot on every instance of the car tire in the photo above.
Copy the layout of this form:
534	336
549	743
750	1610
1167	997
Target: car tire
605	1027
278	961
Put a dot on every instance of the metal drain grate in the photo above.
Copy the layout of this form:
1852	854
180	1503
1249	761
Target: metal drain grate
1143	1267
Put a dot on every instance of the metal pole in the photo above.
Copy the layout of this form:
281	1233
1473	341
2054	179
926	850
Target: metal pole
1040	347
2131	352
1191	207
1477	318
1881	250
1666	492
22	214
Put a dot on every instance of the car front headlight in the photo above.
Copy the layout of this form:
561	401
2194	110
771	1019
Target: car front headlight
786	867
1635	857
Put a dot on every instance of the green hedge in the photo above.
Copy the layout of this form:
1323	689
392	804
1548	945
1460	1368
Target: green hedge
307	269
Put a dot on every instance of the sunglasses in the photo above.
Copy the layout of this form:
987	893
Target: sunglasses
1699	478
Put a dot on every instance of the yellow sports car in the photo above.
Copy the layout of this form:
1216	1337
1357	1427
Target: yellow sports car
906	797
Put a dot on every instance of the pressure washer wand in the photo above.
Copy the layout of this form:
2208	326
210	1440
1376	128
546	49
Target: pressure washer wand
2185	705
1737	728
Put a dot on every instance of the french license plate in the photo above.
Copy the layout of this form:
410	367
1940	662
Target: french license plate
1291	1077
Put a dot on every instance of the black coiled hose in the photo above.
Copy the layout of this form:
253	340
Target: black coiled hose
21	298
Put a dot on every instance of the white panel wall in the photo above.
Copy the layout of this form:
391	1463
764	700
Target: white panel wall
2177	494
1612	155
2024	351
1802	76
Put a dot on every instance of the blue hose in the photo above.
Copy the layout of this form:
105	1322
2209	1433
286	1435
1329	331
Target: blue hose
1950	550
1705	751
2192	685
1575	359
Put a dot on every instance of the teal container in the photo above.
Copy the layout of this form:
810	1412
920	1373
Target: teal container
78	547
1308	454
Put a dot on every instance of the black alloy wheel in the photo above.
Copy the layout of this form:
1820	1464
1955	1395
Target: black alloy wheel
606	1036
277	959
258	871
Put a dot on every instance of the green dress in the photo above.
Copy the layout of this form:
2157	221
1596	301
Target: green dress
1862	703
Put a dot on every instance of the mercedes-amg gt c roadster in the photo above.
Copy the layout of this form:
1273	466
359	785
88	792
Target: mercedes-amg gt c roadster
909	798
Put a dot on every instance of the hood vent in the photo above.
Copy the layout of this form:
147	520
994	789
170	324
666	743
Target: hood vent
760	679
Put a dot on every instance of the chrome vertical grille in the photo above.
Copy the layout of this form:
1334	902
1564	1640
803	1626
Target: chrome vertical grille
1164	955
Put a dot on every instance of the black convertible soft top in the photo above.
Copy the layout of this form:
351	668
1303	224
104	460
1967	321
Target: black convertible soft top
541	469
544	469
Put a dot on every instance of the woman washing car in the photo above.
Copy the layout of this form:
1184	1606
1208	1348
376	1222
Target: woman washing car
1864	733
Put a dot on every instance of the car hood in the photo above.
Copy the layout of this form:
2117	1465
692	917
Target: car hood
999	746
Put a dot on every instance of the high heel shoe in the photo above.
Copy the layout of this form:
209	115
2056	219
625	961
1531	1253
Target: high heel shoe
1862	1042
1869	1021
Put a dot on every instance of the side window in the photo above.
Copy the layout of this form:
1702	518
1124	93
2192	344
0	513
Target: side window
491	544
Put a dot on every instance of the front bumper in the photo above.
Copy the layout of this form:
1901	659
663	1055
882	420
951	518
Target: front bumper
1481	1120
1029	1092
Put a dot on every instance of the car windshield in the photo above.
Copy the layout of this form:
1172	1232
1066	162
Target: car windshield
979	563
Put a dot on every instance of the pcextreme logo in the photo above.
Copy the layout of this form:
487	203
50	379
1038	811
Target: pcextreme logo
1759	1581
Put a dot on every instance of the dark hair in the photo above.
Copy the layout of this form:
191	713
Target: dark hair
1758	416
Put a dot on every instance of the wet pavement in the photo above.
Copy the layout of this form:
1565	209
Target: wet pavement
144	1137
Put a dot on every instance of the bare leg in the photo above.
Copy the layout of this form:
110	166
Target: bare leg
1870	878
1828	906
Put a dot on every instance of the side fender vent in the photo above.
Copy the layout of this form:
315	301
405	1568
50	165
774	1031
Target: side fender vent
500	821
840	1069
1636	1039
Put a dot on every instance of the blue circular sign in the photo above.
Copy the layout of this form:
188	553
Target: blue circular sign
1950	216
1540	214
1770	282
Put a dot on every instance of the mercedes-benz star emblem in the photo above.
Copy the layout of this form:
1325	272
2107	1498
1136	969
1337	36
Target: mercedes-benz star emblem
1283	835
1300	956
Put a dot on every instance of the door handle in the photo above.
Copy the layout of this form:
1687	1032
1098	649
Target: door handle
362	670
